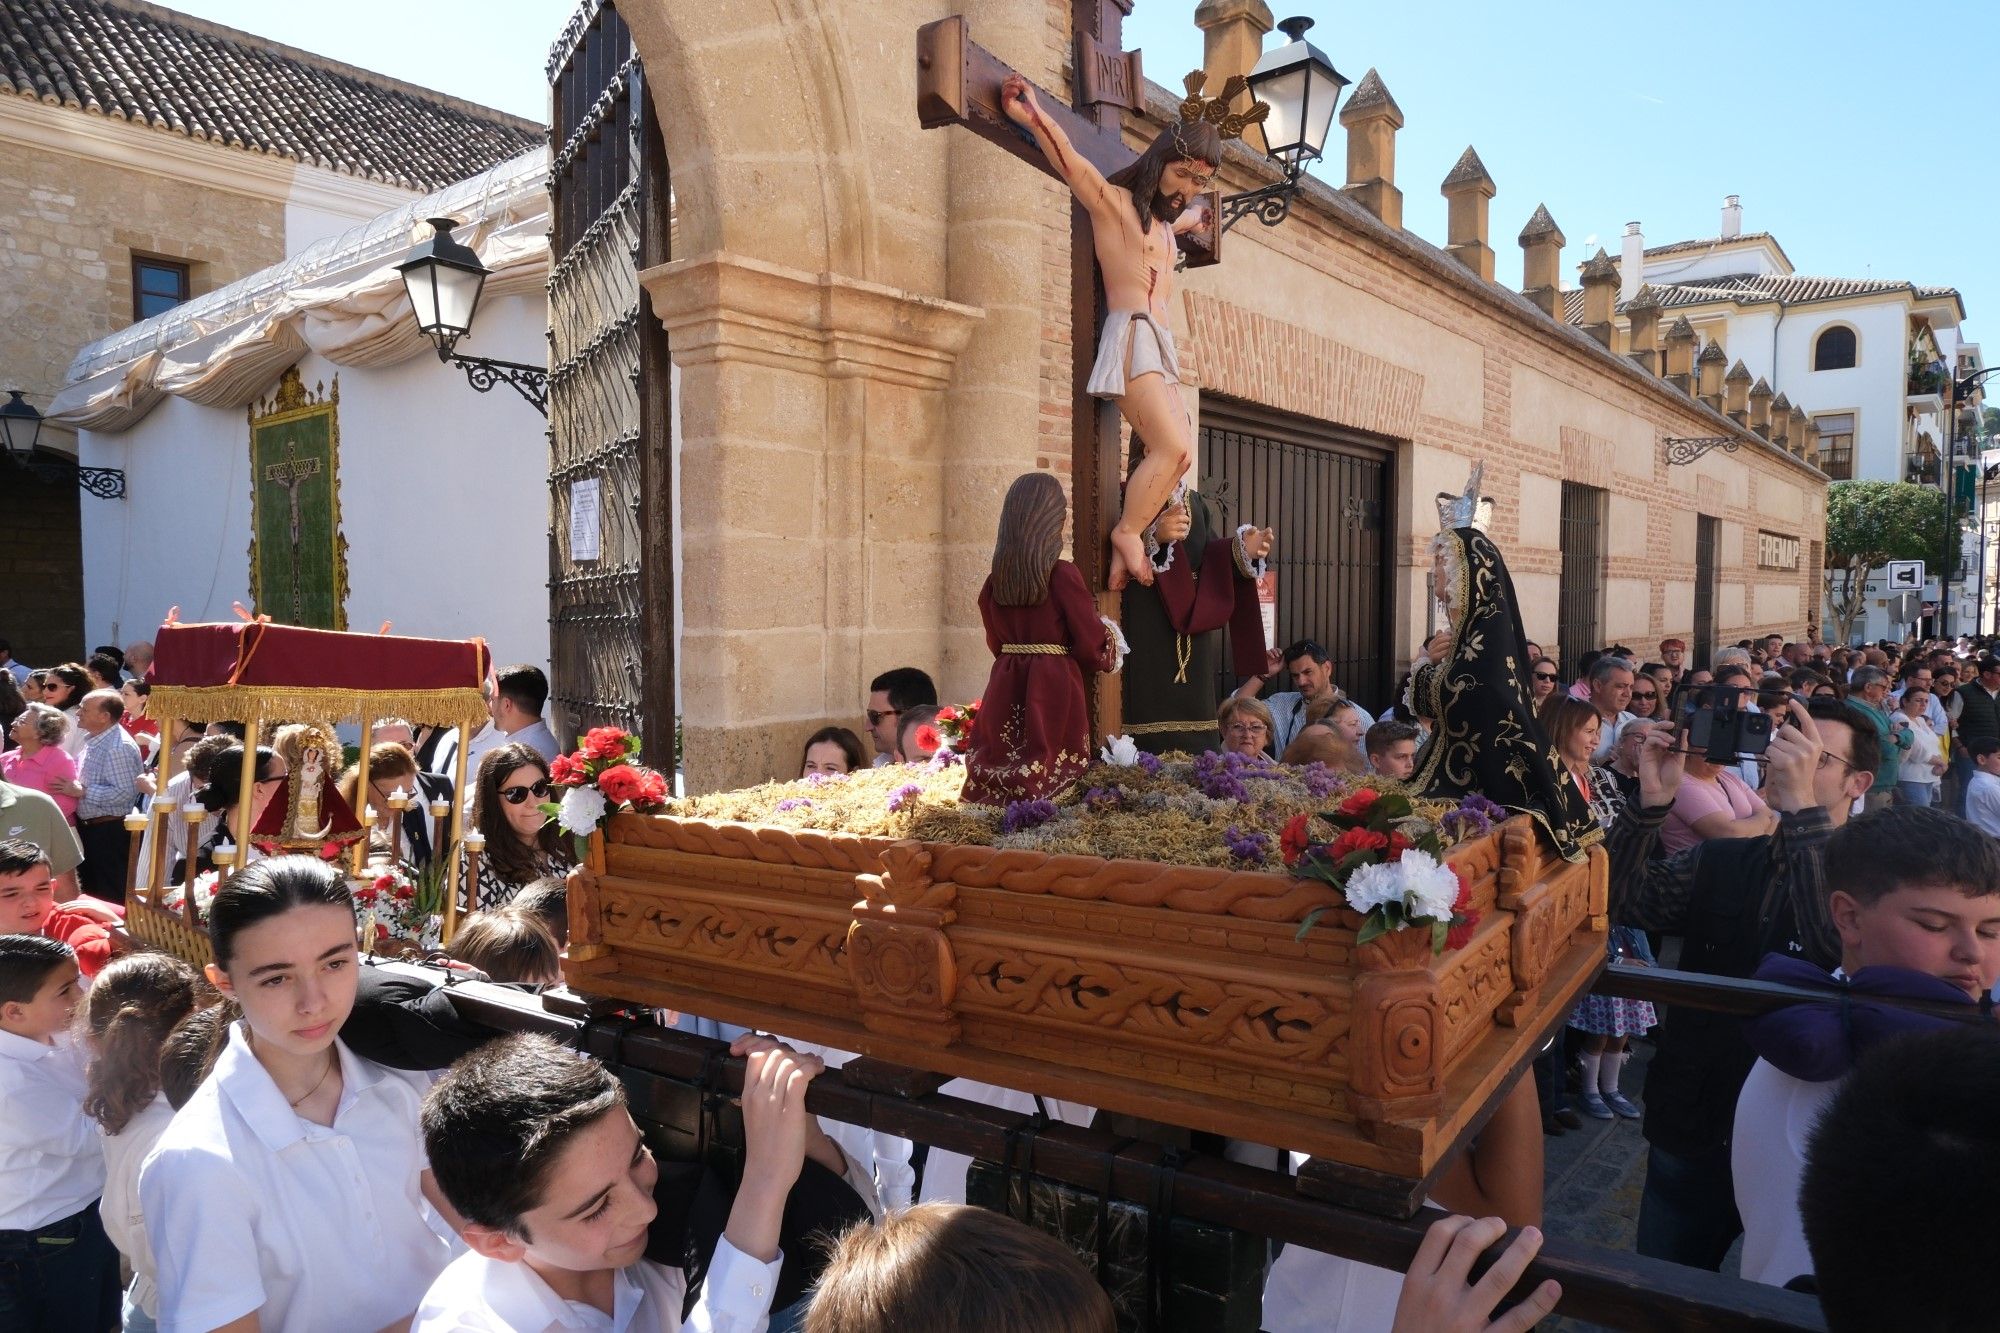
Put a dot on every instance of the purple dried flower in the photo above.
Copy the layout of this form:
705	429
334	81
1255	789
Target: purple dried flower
1104	798
794	803
904	794
1252	847
1320	780
1475	817
1021	815
1150	763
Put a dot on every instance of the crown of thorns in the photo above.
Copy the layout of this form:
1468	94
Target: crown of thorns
1229	124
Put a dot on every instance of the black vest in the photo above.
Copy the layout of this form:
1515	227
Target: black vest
1739	912
1979	714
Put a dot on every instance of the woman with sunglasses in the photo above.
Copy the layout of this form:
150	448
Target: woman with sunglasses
1645	703
522	844
1545	677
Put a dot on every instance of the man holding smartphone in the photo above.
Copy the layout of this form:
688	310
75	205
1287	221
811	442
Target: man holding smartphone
1733	901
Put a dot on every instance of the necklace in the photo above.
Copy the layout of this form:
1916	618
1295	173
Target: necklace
333	1058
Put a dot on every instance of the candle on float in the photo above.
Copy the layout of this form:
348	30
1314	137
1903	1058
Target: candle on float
135	822
475	841
223	854
367	814
399	799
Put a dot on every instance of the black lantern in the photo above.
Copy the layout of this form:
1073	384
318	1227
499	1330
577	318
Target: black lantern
1301	87
444	280
21	431
20	424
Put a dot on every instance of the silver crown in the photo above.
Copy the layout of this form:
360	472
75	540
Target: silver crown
1470	510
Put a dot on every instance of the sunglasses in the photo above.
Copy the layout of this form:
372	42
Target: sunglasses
1649	694
875	717
516	795
1545	675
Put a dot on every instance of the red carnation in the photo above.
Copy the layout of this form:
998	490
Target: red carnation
1293	842
926	738
568	771
654	791
405	892
1398	844
381	934
1356	840
329	851
604	743
1360	803
621	783
1462	905
1461	934
384	882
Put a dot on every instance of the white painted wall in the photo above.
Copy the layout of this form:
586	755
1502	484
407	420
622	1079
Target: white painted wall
1873	390
443	493
322	203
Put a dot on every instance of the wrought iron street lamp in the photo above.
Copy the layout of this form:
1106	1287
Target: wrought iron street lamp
1301	87
21	431
444	280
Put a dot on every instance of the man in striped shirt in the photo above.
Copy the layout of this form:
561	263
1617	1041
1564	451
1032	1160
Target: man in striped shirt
106	788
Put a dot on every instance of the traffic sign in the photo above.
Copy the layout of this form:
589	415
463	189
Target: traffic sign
1906	575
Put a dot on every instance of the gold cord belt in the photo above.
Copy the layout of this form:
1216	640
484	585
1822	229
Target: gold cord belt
1036	649
1160	728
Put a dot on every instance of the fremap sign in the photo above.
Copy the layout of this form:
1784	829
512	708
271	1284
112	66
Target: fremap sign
1777	551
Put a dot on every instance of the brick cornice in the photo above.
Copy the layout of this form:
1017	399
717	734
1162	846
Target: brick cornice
1255	357
726	307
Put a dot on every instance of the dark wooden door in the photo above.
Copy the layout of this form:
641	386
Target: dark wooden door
1327	494
611	619
1581	606
1707	536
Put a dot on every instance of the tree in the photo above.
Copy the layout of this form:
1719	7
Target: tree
1989	422
1868	524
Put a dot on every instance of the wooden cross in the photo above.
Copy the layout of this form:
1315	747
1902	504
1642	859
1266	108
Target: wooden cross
958	83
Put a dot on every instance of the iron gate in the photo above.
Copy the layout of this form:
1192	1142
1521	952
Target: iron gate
610	618
1707	537
1582	598
1327	496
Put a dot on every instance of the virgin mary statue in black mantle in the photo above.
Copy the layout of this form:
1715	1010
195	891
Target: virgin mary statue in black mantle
1484	736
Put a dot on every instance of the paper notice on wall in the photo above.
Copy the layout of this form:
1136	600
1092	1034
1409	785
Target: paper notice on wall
586	526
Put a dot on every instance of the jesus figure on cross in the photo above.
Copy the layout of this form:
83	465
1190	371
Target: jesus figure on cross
1135	215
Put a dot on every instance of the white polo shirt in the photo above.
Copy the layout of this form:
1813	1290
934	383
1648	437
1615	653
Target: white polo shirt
252	1209
123	1222
1775	1116
481	1295
50	1165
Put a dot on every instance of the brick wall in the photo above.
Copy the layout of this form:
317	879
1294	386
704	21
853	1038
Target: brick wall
41	568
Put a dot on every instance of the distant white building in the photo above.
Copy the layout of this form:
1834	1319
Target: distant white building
440	495
1867	361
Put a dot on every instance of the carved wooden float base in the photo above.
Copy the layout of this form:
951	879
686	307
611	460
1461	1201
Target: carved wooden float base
1173	993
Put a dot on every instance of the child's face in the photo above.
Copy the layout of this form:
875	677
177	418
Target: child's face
599	1201
294	974
52	1008
26	897
1935	930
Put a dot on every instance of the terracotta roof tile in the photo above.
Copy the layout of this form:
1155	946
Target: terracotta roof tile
1757	288
1682	247
151	66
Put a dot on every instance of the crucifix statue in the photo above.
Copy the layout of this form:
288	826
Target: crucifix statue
291	473
1117	234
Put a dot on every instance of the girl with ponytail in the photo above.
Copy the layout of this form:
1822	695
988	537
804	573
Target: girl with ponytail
130	1011
1032	737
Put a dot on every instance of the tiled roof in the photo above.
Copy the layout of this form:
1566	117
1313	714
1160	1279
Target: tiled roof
1682	247
152	66
1757	288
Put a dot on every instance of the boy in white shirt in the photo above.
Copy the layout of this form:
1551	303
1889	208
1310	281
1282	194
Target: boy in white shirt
1982	788
532	1145
1915	896
58	1270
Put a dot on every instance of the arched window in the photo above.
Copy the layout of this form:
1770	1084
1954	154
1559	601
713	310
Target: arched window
1835	348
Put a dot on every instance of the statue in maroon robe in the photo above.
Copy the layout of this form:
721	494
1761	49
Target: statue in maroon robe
1032	738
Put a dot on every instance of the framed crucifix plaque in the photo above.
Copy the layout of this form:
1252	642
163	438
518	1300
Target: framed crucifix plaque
298	557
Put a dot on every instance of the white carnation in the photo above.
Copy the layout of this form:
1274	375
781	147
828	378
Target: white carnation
1370	886
1429	888
1121	751
582	811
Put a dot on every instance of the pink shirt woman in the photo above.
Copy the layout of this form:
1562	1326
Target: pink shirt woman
41	763
1713	802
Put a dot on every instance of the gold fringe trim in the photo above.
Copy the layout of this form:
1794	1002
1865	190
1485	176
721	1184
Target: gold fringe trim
1035	649
1156	728
240	703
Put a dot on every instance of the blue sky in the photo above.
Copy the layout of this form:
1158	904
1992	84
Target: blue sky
1852	129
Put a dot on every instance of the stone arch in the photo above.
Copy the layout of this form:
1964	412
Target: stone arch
756	101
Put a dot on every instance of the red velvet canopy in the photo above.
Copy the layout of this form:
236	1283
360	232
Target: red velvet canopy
207	673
